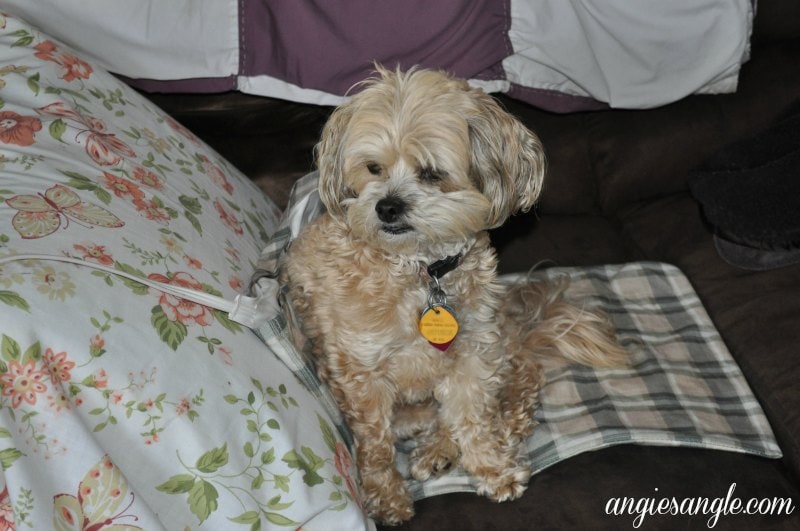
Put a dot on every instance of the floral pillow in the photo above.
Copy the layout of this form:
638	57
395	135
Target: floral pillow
121	405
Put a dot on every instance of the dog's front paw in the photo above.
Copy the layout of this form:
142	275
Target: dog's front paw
503	485
386	498
434	458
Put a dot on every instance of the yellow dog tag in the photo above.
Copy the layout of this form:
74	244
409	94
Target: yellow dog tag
438	325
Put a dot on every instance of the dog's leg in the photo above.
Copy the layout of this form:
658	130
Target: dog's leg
435	454
520	396
367	401
469	398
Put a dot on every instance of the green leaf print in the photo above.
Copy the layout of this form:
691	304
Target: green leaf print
192	204
309	466
249	517
137	287
327	433
171	332
213	460
33	81
256	471
8	456
12	298
177	484
9	348
194	221
34	352
81	182
279	519
25	39
223	319
203	499
57	129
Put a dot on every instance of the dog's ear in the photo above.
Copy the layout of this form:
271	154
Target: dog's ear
329	150
330	159
508	161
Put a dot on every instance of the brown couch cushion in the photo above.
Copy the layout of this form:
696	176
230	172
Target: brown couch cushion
574	493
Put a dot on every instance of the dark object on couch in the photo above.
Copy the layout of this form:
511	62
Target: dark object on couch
617	191
750	194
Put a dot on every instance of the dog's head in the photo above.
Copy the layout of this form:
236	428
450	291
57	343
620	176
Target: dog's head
418	161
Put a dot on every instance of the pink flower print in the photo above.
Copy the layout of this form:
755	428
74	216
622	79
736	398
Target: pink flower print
18	129
58	402
228	218
94	253
57	366
116	397
151	210
344	465
6	512
72	68
123	188
194	263
100	379
215	173
96	344
183	406
235	283
22	383
147	178
182	310
181	130
227	355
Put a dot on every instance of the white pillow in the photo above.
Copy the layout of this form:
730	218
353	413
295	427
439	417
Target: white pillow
117	401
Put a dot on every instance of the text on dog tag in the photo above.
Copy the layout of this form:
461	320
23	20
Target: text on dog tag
438	325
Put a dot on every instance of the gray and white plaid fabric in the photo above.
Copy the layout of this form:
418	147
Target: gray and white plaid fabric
304	205
683	388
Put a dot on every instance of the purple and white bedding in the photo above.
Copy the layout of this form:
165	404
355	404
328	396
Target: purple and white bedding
559	55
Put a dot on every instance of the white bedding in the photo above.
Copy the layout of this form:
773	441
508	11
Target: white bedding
119	404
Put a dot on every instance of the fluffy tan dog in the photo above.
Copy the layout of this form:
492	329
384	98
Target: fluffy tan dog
413	171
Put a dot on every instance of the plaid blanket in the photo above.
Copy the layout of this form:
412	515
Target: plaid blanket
683	388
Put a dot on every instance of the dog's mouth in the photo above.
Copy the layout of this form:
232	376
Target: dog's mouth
395	228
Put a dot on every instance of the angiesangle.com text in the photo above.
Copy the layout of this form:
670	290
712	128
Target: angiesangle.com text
714	508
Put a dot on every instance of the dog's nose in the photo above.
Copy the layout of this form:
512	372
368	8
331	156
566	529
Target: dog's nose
389	209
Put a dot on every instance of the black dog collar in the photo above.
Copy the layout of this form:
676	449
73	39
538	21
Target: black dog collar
440	268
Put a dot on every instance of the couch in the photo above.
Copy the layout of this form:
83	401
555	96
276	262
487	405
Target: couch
617	191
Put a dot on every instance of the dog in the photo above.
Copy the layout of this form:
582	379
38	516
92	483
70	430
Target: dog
395	286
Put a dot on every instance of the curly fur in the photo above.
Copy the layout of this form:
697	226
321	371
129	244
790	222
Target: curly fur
416	167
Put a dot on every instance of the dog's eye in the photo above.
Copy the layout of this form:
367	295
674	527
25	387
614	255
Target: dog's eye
429	175
374	168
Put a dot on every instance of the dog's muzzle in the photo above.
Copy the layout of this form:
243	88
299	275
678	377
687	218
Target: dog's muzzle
390	211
